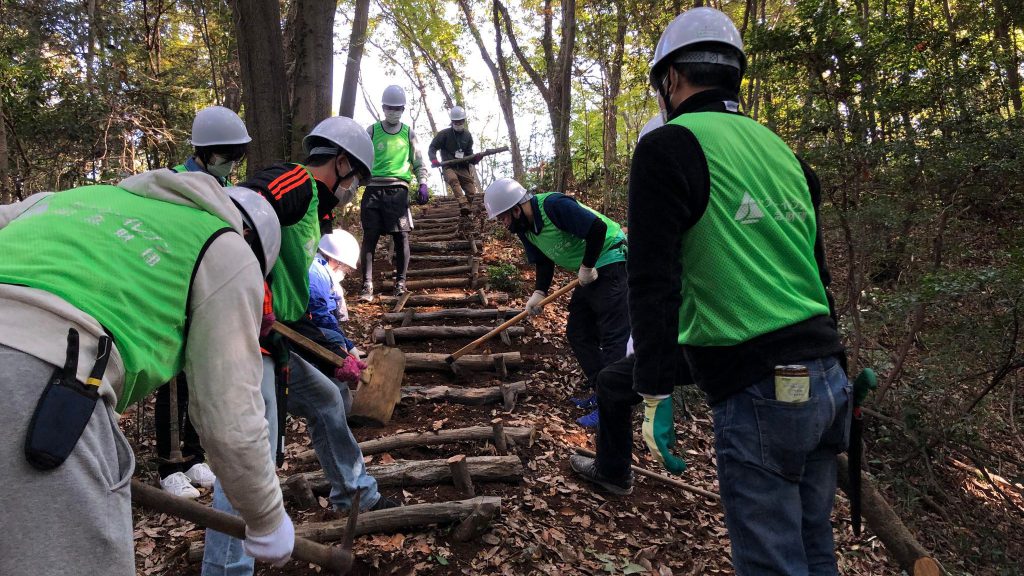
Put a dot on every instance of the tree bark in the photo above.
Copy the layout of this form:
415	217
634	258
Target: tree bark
447	271
611	102
431	283
261	57
311	58
503	89
453	246
356	43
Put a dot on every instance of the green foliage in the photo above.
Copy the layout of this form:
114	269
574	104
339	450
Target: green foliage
504	277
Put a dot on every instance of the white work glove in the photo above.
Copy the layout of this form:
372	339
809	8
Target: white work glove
274	548
587	275
533	305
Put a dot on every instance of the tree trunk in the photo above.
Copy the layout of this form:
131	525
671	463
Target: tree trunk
611	102
6	190
261	57
356	43
311	58
502	88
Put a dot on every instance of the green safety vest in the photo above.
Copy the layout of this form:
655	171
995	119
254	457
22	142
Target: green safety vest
125	260
289	279
748	263
392	156
566	249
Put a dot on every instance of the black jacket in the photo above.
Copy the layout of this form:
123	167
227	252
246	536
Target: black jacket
449	141
669	187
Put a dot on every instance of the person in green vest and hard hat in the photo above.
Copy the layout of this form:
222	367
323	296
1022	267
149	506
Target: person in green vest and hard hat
106	292
556	229
220	141
385	205
727	262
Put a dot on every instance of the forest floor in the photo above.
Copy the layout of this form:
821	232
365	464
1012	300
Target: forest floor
552	522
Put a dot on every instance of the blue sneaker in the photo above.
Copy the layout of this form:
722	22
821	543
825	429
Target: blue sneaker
585	403
588	421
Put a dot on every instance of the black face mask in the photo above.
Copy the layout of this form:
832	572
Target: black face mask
520	224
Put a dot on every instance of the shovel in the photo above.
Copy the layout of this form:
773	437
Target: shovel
506	325
335	560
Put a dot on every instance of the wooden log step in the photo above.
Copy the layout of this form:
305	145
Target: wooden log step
446	271
447	258
440	332
397	519
418	232
521	435
453	246
485	313
430	472
463	395
449	299
437	237
389	520
431	283
433	362
428	220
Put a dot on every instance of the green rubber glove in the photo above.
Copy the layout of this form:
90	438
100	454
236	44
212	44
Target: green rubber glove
660	433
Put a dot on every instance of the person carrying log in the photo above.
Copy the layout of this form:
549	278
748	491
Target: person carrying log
727	260
456	143
556	229
220	141
338	156
384	208
106	292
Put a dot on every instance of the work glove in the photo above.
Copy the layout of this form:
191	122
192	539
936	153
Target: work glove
423	196
350	370
587	275
476	158
533	305
660	432
274	548
266	324
434	162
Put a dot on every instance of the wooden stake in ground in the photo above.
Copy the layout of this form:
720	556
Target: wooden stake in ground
381	387
460	475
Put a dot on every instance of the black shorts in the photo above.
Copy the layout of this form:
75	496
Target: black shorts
385	208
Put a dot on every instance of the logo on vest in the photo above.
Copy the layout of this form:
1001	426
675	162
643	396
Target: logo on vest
749	212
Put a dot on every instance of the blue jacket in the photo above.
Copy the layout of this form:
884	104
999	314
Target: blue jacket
323	301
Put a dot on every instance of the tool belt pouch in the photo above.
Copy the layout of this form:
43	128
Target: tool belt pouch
63	411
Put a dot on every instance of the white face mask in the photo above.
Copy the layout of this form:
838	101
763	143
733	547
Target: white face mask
348	192
219	167
392	116
461	127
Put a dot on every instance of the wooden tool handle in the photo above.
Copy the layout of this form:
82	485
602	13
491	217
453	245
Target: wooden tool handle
486	152
335	560
508	323
310	346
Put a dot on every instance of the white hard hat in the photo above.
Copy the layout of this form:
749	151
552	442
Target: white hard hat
697	26
457	113
218	126
347	135
503	194
393	96
656	121
259	215
341	246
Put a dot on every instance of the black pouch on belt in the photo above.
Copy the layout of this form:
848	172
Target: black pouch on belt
65	408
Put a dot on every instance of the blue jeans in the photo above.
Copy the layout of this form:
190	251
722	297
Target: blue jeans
223	555
338	338
323	402
777	472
